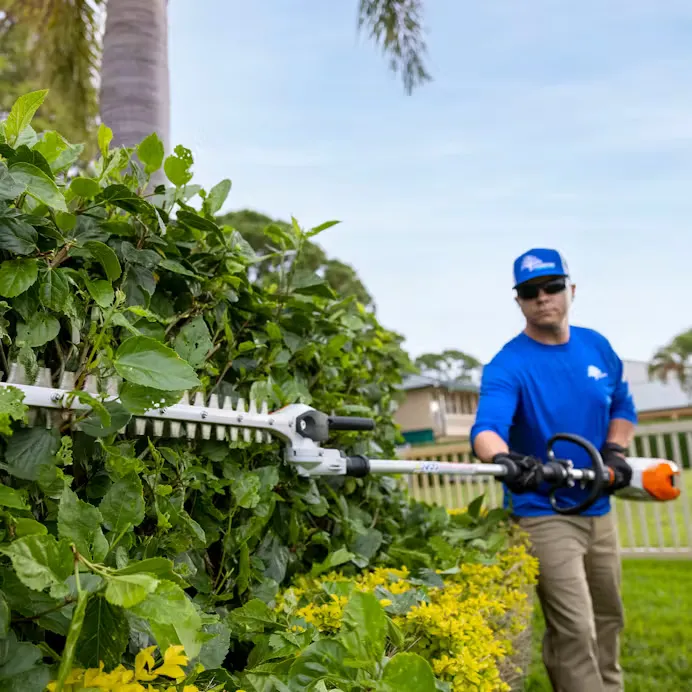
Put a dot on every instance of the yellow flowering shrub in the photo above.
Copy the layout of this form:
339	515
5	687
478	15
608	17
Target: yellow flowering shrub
139	679
464	625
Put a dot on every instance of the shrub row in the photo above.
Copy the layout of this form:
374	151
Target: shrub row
383	628
125	554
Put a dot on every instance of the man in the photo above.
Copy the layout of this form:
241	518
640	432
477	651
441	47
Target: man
550	378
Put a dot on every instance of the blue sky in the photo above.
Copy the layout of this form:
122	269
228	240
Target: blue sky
555	124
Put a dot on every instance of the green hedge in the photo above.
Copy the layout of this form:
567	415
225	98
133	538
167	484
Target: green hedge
114	547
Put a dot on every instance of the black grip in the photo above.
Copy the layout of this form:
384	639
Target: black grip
598	483
555	473
357	466
350	423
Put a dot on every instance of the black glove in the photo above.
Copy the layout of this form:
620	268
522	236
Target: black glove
614	458
523	472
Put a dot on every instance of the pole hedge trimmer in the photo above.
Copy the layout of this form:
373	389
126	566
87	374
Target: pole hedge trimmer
303	428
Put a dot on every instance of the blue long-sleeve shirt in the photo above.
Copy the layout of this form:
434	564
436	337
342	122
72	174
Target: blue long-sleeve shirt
530	391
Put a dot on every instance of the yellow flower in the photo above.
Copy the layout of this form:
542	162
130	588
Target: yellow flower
173	658
122	679
145	659
465	628
94	677
73	677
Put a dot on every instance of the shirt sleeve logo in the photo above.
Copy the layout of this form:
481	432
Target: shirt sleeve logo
595	372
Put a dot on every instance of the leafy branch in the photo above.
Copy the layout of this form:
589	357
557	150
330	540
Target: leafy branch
110	538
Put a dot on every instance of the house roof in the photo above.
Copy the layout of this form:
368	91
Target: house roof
649	395
422	381
652	395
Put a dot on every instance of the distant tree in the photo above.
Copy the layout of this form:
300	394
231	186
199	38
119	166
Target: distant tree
265	234
449	365
675	358
128	58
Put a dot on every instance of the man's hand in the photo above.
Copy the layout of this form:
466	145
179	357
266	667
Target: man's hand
614	458
523	472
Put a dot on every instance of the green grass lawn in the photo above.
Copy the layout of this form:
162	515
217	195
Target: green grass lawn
657	640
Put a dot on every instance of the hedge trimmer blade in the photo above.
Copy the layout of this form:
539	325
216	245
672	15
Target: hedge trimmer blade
55	407
302	429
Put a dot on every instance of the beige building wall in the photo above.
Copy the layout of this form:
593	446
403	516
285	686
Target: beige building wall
448	414
414	412
461	402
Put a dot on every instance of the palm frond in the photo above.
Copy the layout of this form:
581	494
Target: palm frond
64	45
674	359
396	26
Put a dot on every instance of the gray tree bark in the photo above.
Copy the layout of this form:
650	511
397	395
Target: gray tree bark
134	99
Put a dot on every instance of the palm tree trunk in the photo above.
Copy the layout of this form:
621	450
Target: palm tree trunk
134	97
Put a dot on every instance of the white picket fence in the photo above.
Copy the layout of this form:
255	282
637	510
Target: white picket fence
646	529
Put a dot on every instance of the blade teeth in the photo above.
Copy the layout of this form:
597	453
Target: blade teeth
176	427
190	428
111	386
205	427
265	436
112	389
228	406
159	425
75	334
240	410
51	419
219	432
91	385
140	427
68	380
17	374
253	412
44	378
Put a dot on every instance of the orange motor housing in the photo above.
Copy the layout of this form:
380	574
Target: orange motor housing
655	480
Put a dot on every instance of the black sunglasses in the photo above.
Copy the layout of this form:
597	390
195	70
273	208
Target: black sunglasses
530	291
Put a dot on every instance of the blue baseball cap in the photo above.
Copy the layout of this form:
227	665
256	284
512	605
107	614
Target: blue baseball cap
539	262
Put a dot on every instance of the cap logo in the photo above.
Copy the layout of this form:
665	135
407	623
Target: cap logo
531	263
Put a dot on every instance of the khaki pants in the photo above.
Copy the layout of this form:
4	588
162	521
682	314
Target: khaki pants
579	592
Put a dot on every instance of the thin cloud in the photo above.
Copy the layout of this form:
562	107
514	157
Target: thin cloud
546	124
